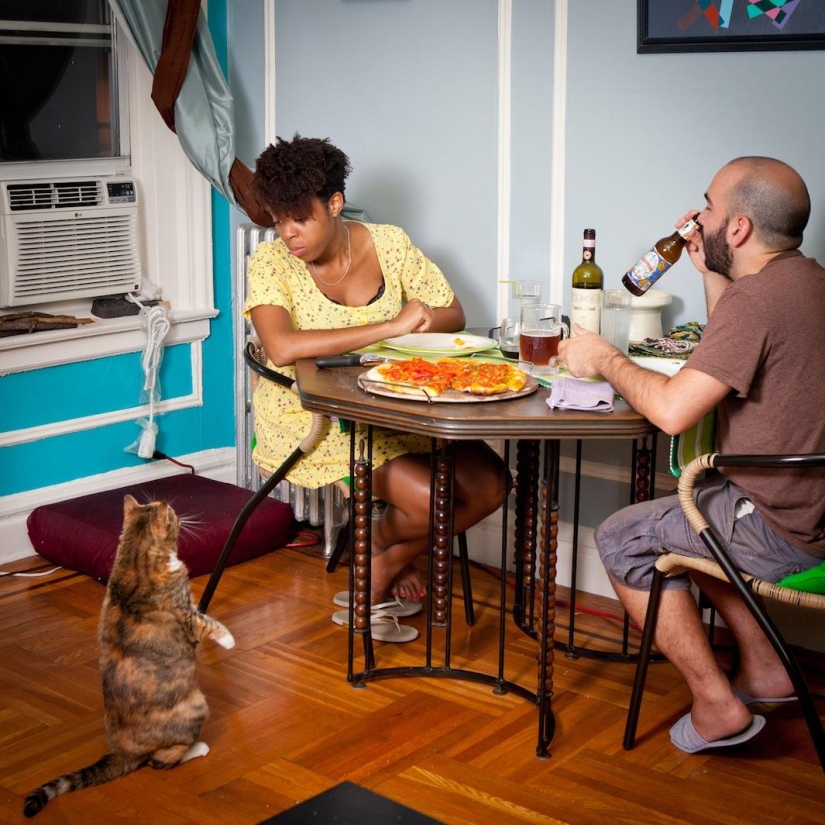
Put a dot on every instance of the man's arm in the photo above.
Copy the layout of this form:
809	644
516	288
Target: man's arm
673	404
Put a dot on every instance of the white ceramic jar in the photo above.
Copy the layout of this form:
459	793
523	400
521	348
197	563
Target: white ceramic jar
646	314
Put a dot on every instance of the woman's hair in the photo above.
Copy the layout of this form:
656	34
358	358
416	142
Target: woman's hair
290	174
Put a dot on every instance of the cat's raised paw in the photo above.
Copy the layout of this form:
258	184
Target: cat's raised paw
227	640
198	749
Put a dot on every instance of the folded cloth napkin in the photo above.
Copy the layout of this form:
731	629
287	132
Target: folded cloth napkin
576	394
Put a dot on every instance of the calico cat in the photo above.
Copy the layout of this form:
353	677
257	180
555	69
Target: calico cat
149	630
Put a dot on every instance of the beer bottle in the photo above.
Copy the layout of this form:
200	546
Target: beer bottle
656	261
586	291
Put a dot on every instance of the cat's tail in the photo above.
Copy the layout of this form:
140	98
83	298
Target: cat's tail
108	767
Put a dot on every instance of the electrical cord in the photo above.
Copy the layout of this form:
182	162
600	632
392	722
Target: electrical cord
495	573
157	323
159	455
32	572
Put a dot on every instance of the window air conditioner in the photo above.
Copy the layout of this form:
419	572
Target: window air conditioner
67	238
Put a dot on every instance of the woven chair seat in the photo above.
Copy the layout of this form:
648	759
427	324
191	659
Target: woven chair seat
672	564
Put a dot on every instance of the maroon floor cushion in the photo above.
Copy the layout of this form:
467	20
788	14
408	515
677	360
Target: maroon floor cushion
82	533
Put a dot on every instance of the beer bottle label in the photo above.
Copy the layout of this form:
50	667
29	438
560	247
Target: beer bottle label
648	269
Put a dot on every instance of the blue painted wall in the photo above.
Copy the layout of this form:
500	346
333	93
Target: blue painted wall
62	393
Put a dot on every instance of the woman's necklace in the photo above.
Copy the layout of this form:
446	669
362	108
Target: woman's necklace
346	271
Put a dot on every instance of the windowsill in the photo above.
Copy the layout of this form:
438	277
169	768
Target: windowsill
104	337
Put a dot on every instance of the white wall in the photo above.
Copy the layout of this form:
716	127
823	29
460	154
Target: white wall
646	133
409	91
447	109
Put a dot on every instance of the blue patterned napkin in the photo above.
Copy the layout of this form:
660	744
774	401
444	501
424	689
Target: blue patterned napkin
577	394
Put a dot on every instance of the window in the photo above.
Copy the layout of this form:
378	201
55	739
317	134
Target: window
92	115
59	97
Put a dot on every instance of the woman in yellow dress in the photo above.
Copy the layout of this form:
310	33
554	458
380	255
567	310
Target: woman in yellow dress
328	286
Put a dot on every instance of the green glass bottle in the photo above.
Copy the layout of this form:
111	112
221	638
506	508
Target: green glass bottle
587	285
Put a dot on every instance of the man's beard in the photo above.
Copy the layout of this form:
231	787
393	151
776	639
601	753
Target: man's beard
718	257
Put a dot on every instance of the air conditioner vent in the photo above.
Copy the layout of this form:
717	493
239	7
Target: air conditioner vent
66	239
54	195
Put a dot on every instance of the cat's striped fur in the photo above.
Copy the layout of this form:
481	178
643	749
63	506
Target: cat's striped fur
149	631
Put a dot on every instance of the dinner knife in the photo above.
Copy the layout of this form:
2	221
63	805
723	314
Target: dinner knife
350	360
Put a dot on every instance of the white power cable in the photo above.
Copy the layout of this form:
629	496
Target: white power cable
156	320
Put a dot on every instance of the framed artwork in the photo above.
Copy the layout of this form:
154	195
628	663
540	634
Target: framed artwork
730	25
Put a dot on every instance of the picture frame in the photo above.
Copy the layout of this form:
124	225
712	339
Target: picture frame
729	25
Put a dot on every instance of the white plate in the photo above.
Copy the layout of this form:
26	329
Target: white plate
439	343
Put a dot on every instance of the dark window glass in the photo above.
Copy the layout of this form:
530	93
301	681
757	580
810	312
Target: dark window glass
58	88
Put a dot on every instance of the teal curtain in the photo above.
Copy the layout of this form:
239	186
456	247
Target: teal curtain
204	110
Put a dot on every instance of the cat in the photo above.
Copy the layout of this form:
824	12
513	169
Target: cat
149	630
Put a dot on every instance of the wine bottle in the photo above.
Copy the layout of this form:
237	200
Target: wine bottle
586	291
656	261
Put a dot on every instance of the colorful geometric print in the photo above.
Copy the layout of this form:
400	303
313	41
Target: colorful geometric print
779	11
719	12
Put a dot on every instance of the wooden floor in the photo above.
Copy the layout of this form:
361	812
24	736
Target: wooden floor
285	725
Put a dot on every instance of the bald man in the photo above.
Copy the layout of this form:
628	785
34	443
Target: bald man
759	362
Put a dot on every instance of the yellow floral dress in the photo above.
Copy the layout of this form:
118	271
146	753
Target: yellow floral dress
278	278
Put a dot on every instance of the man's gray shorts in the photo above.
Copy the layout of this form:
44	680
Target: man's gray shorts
630	540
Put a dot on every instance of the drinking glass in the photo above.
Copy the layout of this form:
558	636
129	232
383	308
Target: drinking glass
541	330
615	320
508	337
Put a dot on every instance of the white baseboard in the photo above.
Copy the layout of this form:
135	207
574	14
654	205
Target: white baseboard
484	538
484	546
14	510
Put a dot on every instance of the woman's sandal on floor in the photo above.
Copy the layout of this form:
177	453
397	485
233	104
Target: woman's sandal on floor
384	626
395	606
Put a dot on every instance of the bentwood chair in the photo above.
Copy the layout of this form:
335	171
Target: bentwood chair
335	519
754	592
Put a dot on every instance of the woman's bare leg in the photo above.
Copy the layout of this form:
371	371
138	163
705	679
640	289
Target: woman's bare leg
401	535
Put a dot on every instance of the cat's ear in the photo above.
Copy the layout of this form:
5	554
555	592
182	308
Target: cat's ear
129	504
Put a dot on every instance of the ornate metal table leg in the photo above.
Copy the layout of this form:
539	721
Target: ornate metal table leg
643	458
527	518
442	536
361	553
641	489
548	546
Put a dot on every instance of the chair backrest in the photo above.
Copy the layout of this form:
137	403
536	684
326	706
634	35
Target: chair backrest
700	439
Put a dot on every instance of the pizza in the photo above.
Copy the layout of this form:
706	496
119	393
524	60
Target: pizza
472	376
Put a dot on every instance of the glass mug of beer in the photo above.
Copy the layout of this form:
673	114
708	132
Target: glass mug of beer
541	330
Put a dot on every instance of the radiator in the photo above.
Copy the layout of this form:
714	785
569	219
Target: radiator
327	506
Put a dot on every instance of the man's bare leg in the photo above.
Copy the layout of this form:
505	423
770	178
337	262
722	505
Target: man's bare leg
761	672
717	712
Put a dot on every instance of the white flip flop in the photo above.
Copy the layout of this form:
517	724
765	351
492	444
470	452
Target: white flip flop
396	606
384	627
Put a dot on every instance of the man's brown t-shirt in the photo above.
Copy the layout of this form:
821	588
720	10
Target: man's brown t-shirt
765	339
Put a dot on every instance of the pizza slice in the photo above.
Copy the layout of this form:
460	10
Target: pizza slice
486	378
475	377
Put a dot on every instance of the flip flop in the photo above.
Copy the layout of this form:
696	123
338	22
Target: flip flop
394	606
384	627
761	700
685	737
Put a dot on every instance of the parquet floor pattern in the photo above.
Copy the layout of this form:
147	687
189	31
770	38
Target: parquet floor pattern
285	725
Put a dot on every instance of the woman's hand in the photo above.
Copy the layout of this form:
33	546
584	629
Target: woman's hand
415	316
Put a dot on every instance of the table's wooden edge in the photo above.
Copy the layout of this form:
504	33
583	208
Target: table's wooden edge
412	417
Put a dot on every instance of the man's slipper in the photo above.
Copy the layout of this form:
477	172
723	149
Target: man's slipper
394	606
383	626
685	737
761	700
